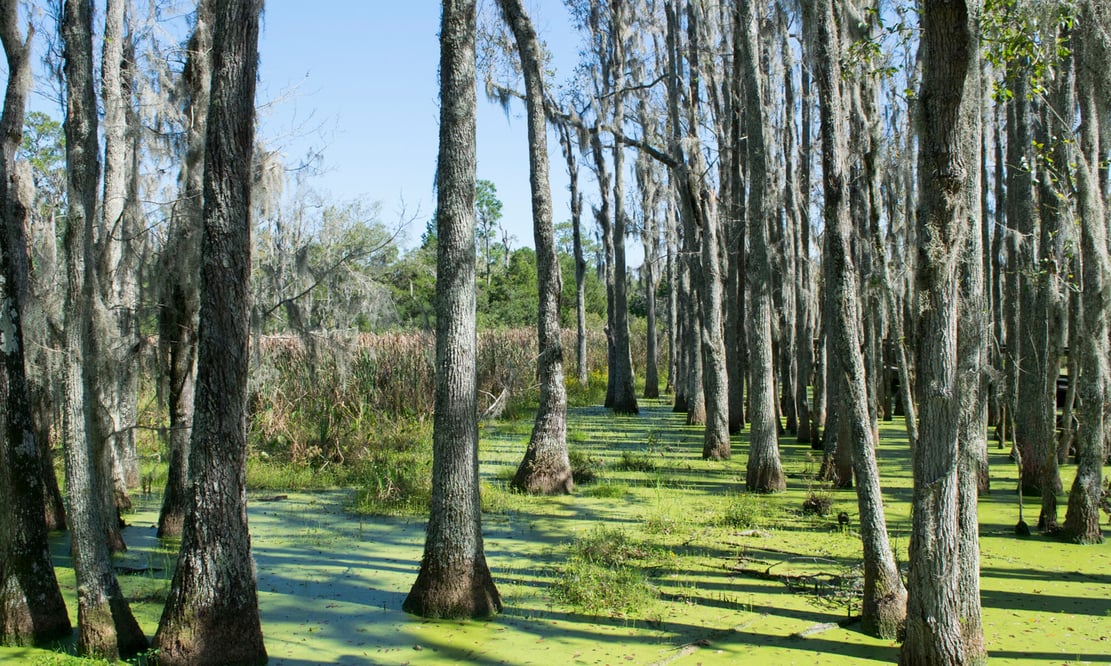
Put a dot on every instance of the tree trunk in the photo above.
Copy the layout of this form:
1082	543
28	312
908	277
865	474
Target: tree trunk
577	250
31	606
1082	517
211	615
624	396
177	316
106	627
764	473
546	467
115	269
936	628
972	335
884	603
454	579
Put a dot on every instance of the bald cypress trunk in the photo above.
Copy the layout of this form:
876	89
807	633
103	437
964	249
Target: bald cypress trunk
1082	517
211	615
884	603
454	579
936	629
31	606
764	473
106	626
546	467
179	298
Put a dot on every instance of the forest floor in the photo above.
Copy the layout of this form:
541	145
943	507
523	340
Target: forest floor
663	559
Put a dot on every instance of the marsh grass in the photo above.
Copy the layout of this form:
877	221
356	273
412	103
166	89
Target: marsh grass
605	574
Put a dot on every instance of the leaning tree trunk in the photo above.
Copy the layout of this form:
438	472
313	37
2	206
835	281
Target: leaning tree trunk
936	626
177	316
211	615
764	473
1082	517
106	627
454	579
884	603
546	467
31	606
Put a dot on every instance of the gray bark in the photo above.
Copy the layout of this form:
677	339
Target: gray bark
1082	517
764	473
624	397
116	389
31	606
884	604
211	615
935	629
179	293
454	579
546	467
106	627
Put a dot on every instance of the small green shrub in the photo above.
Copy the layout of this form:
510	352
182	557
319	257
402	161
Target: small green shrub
603	575
745	511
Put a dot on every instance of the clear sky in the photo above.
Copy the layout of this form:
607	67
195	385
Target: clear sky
358	80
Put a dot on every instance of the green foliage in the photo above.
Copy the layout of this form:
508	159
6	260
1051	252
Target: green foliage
512	298
1025	40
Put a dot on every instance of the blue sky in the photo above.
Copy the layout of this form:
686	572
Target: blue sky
358	80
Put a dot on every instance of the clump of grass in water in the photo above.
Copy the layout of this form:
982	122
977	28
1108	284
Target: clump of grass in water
603	575
745	511
584	467
635	462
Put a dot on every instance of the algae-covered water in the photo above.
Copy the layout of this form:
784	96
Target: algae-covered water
331	584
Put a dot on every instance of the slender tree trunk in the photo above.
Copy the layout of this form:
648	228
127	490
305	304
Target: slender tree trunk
577	250
972	332
454	579
546	467
764	473
624	397
211	615
177	316
106	627
804	298
31	606
936	630
115	270
1082	517
884	604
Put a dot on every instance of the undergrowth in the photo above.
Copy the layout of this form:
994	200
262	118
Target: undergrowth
605	574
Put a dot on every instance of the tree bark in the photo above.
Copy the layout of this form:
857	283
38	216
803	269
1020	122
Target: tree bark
31	606
935	629
1082	516
211	615
116	267
624	397
546	467
454	579
106	627
177	316
884	604
764	473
